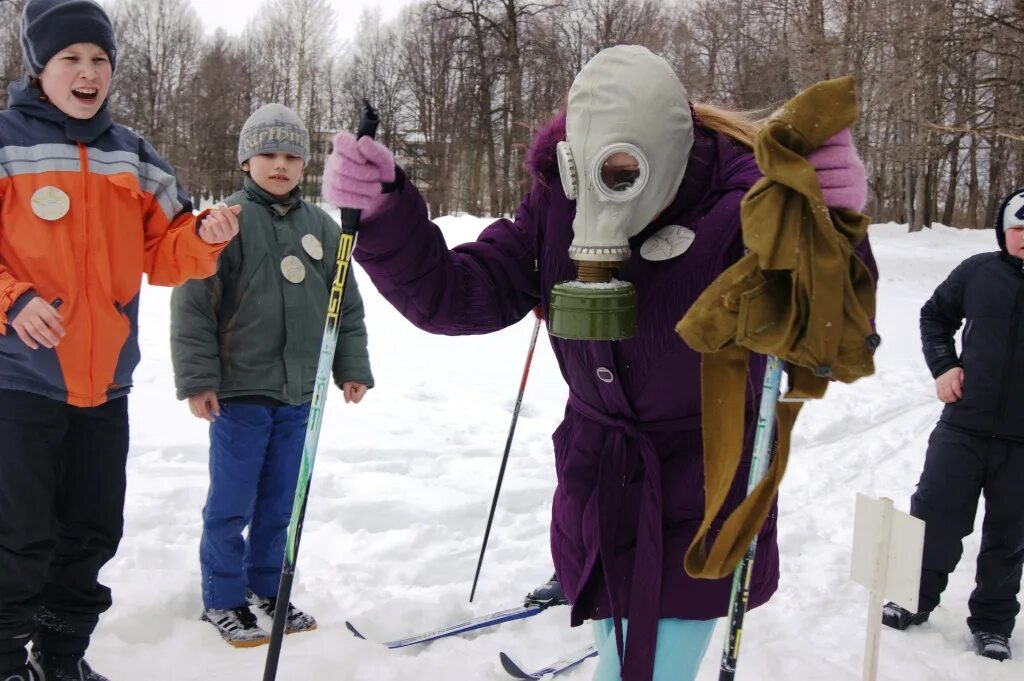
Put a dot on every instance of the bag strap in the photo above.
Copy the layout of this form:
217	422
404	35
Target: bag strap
724	377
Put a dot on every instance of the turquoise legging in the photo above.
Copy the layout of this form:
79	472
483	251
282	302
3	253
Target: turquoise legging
681	647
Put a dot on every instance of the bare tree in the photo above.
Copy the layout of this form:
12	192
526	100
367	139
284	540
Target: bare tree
11	67
159	46
432	144
220	104
375	73
459	84
289	56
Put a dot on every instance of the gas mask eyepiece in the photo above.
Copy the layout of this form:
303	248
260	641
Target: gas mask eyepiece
620	172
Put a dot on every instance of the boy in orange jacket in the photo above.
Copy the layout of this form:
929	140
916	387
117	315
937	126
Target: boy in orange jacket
86	207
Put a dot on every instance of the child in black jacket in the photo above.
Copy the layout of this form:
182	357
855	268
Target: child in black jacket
978	445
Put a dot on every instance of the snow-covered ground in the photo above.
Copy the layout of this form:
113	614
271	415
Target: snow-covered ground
403	482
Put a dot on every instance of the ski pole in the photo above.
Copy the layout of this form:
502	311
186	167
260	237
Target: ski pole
508	447
763	438
349	231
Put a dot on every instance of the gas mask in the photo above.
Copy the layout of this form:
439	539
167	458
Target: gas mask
628	136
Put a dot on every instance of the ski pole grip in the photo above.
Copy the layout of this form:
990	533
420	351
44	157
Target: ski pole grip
367	128
370	121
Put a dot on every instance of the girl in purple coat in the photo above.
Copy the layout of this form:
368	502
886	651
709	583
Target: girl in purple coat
652	186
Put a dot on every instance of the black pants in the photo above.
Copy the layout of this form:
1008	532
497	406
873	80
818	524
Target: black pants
62	486
958	468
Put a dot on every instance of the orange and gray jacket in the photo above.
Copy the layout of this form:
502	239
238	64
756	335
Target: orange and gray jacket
86	206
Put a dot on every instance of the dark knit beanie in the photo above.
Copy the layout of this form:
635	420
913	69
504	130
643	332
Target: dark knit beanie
273	128
48	26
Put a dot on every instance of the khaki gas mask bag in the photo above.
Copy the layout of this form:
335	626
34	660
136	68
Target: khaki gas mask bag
800	293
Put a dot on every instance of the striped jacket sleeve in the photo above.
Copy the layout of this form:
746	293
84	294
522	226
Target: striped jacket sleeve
10	288
174	251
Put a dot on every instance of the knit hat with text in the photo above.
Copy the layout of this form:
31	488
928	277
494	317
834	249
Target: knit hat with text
270	129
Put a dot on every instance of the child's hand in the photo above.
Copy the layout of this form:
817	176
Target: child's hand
204	405
220	224
353	391
39	323
950	385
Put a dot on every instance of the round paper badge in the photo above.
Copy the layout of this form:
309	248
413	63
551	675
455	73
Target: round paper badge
50	203
313	247
667	243
293	269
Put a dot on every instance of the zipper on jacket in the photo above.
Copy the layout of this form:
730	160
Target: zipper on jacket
1015	319
83	158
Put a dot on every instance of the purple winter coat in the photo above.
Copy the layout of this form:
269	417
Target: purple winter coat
628	454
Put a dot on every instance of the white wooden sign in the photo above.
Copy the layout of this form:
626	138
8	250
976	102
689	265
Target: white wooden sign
887	549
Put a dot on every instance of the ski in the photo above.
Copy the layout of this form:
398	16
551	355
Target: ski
481	622
567	662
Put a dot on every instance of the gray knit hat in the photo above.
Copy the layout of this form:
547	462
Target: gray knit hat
270	129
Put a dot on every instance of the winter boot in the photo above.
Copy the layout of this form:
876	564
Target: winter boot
20	674
63	668
900	618
547	594
294	622
237	626
993	646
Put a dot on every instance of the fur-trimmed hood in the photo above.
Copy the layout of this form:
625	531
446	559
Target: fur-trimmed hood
541	159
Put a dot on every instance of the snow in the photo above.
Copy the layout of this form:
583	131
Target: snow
404	480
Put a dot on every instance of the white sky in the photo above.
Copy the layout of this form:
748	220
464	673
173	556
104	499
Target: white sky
233	15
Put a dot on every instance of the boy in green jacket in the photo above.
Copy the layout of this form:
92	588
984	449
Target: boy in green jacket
245	345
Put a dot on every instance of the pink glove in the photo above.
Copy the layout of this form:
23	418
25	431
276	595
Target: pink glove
841	174
355	170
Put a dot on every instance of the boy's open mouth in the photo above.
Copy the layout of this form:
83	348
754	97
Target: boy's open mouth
85	94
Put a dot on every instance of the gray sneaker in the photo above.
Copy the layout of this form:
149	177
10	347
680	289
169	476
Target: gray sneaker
237	626
991	645
295	621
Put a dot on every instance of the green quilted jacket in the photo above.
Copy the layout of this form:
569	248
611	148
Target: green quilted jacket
249	330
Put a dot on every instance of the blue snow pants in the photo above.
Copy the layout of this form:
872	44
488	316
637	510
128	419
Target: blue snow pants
681	647
255	454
